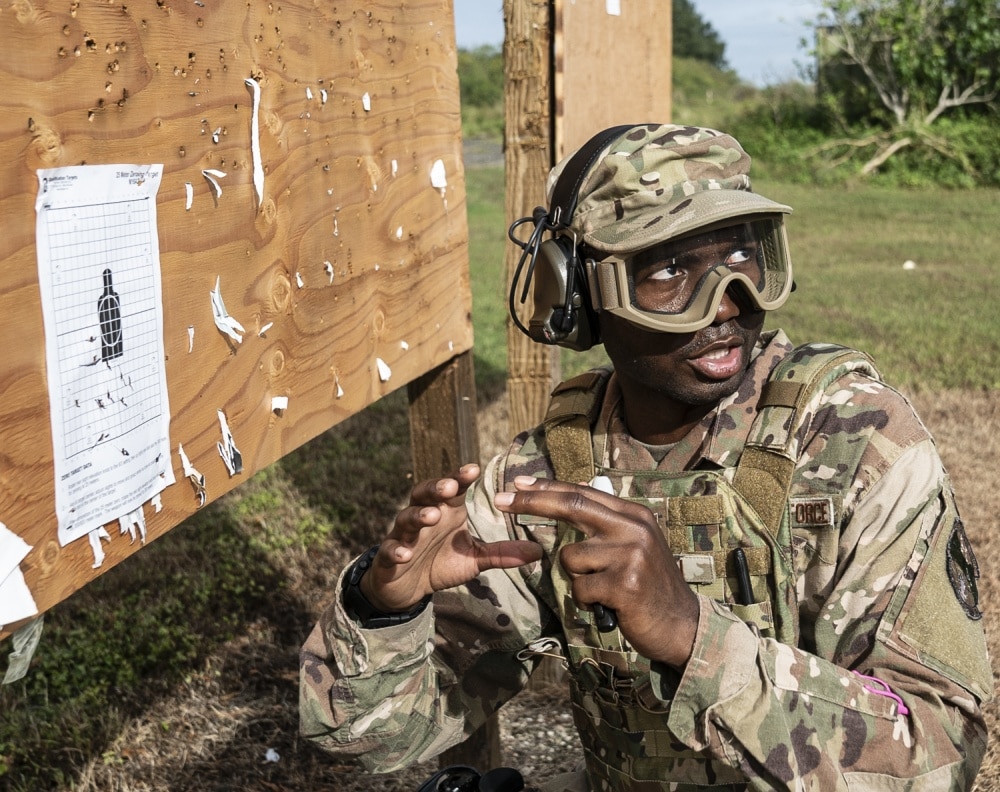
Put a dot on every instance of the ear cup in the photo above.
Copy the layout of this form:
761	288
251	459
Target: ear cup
562	314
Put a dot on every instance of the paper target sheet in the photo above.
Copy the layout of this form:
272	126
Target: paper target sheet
102	307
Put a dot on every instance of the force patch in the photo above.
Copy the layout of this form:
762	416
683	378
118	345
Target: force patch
963	570
812	512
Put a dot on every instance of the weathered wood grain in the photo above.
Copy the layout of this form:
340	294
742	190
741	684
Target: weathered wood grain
358	101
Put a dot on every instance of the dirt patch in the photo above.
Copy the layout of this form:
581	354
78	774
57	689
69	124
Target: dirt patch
214	732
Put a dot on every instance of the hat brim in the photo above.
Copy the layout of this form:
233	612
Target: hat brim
650	221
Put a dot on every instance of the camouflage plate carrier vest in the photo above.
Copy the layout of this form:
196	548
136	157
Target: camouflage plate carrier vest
705	516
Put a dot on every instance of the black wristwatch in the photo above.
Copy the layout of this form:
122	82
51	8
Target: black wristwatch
361	610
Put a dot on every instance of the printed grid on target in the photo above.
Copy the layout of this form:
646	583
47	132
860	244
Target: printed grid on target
106	321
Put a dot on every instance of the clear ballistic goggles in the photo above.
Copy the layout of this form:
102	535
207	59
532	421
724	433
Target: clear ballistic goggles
678	285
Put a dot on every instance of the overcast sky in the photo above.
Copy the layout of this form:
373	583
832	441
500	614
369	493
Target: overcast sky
762	36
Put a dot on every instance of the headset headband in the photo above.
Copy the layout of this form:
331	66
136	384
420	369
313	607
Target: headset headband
566	193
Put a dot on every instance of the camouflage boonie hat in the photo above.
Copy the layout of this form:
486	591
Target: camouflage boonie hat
659	181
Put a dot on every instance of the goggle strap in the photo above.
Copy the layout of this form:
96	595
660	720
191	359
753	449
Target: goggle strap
607	286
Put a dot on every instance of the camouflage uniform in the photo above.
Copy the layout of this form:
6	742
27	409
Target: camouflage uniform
852	659
878	553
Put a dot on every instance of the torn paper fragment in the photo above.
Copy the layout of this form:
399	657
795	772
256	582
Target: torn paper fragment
329	269
298	280
279	404
614	7
403	345
190	339
223	320
366	102
189	196
25	641
322	95
132	523
16	602
265	328
395	167
95	538
157	503
309	93
227	448
258	167
211	175
197	480
399	232
216	134
384	372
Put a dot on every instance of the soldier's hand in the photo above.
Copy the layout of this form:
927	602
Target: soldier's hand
430	547
624	563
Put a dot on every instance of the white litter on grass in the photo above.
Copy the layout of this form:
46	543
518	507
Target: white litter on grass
909	264
271	755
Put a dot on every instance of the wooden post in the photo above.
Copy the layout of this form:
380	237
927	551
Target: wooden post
531	368
444	437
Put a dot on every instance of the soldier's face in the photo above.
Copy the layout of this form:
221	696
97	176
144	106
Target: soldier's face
698	368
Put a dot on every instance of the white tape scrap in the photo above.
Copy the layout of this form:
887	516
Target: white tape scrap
190	339
211	174
258	167
384	372
223	320
614	7
189	196
439	179
366	102
227	448
197	480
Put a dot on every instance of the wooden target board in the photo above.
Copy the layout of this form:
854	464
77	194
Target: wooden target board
296	246
612	66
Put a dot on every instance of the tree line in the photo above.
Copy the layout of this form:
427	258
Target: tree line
901	90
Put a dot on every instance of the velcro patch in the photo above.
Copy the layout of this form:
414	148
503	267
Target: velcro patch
812	512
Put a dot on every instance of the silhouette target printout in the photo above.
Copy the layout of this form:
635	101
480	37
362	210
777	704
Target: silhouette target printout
102	310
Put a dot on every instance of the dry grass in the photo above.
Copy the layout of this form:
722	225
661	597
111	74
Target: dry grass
212	731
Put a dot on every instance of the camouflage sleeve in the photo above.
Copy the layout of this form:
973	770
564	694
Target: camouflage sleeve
887	695
397	695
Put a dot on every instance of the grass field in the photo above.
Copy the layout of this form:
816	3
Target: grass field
178	669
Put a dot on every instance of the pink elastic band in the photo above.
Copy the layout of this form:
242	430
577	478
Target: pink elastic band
884	690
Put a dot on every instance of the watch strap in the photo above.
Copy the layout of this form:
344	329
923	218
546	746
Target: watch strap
360	609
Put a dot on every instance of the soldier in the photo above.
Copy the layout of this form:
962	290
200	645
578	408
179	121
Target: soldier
747	553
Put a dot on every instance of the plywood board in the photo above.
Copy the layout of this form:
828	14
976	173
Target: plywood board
354	254
612	67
